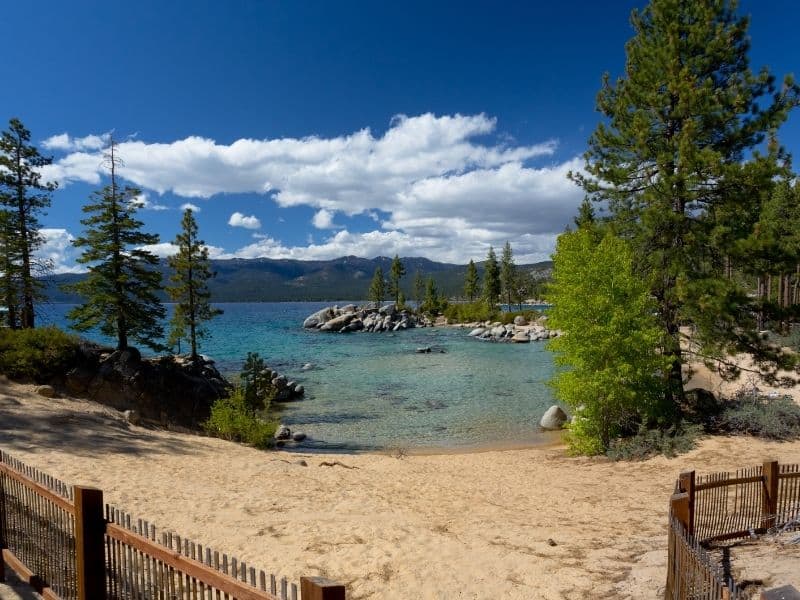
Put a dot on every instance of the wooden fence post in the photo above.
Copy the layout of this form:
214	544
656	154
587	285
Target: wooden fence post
320	588
687	479
90	558
2	525
769	504
679	507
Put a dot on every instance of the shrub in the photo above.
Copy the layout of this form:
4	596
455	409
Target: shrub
470	312
754	414
232	420
36	354
651	442
507	318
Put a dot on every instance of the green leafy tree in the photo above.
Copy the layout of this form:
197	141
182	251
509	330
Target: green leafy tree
676	158
377	288
508	275
491	279
610	339
192	271
396	273
120	289
23	197
471	281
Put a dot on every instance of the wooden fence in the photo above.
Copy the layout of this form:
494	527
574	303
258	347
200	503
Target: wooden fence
69	545
724	506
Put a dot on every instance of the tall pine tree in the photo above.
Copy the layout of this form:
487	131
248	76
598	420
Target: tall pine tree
471	281
491	279
192	270
508	275
677	152
120	289
23	197
377	287
396	272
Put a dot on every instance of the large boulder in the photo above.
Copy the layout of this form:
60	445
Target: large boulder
337	323
477	331
318	318
553	418
520	320
521	337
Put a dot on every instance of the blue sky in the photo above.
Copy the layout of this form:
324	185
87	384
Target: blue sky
318	129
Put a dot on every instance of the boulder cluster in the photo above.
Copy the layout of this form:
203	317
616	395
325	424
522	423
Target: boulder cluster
167	389
519	332
374	319
284	388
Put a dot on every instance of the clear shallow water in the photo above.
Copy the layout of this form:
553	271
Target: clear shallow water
373	391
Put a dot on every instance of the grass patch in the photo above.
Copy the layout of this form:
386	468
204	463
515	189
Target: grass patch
231	420
36	354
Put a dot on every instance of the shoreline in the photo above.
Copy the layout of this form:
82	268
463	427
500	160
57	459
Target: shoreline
513	523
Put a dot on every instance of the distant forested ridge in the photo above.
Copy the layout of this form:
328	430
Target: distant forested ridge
275	280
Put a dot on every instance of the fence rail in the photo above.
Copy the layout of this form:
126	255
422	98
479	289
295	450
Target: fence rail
71	546
718	507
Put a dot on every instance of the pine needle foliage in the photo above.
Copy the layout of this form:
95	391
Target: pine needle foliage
682	163
191	273
120	289
23	197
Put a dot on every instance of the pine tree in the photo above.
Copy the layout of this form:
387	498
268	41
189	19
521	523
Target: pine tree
25	197
192	271
432	302
120	289
675	154
419	288
396	273
471	281
491	279
508	275
377	288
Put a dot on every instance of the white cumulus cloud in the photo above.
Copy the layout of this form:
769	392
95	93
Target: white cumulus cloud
189	206
441	186
57	252
248	222
323	219
65	142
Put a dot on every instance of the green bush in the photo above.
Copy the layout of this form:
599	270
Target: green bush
651	442
753	414
232	420
507	318
470	312
36	354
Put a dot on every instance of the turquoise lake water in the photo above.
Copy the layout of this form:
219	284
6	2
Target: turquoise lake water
373	391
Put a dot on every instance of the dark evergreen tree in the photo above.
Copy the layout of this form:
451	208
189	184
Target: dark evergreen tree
675	154
471	281
377	288
23	197
120	289
432	302
508	275
419	288
396	273
192	270
491	279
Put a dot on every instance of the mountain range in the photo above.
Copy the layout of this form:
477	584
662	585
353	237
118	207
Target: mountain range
275	280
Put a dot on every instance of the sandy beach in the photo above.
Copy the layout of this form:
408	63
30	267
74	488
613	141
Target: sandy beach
523	523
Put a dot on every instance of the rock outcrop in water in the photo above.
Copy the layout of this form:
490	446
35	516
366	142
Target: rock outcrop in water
517	333
348	318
